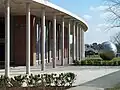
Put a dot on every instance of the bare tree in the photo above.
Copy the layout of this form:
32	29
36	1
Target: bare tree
113	19
116	40
114	13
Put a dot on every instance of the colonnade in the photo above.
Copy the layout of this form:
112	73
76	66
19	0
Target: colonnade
72	25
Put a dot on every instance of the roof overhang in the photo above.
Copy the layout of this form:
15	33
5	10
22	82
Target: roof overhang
18	7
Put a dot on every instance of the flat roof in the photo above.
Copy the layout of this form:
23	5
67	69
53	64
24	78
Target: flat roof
18	7
62	10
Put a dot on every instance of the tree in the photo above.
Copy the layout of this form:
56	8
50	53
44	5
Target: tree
114	20
92	49
87	45
94	46
116	40
114	13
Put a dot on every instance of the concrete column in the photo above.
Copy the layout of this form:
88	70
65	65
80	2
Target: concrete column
69	25
46	42
27	38
59	50
62	48
39	40
7	37
73	42
77	49
79	43
82	45
54	41
43	42
49	43
37	35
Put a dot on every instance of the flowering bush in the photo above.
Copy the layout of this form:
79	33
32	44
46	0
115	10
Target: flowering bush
43	80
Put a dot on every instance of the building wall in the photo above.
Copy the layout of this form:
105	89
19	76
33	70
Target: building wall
20	40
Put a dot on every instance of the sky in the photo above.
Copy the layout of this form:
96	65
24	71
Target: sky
93	12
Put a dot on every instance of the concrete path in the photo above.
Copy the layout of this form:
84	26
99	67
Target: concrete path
108	81
84	73
89	77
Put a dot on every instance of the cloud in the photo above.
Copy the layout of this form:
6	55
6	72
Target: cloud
98	29
99	8
87	17
105	15
103	27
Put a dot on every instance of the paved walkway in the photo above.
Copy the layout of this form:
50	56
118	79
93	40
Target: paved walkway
88	77
107	81
84	73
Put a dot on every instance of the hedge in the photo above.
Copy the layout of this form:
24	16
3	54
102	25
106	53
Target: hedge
98	62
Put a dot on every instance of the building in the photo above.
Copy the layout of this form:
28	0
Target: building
22	21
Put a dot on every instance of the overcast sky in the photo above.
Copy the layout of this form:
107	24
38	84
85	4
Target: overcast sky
92	11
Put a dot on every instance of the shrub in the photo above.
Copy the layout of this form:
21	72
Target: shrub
5	81
98	62
43	80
